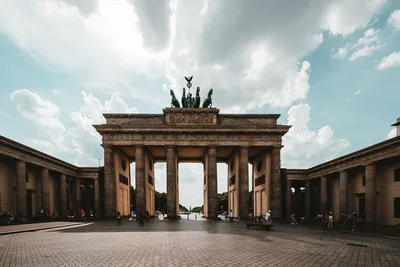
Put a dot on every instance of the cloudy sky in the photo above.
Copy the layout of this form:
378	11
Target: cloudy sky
330	67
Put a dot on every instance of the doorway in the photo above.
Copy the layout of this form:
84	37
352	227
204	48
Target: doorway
29	203
361	207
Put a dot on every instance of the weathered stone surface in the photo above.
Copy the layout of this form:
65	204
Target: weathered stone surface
324	194
192	138
189	116
308	200
140	179
78	196
63	195
289	198
370	193
243	182
171	183
21	188
212	183
276	194
343	194
45	189
109	182
97	197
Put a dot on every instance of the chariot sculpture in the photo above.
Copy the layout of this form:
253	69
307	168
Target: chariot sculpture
189	101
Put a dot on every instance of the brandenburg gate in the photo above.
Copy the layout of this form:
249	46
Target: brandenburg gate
188	132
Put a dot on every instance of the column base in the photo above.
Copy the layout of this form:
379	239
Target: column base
213	218
172	217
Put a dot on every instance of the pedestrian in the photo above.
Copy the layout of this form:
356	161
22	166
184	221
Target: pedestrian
231	216
118	218
354	220
330	222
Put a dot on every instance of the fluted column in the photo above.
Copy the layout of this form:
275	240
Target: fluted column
45	190
78	195
21	189
171	184
63	195
324	194
109	182
96	197
140	179
308	199
243	182
370	193
276	194
289	197
212	183
343	192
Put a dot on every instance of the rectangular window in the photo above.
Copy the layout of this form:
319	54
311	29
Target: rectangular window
396	174
396	207
27	177
363	180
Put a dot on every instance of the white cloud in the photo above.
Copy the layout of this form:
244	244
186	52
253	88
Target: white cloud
394	19
42	112
344	17
79	144
390	61
392	133
341	53
355	93
369	44
115	42
304	147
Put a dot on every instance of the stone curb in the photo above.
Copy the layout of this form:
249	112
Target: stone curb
37	229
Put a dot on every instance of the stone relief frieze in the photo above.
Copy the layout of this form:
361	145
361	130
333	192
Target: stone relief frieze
182	118
191	137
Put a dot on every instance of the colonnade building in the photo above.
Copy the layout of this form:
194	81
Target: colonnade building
366	181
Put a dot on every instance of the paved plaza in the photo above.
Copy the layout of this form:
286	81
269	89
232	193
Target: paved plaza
193	243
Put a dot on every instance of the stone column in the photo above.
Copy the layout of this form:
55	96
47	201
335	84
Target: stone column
289	197
324	195
171	183
308	199
343	192
276	194
244	183
140	179
78	196
96	197
21	189
109	183
212	184
45	190
297	196
370	193
63	195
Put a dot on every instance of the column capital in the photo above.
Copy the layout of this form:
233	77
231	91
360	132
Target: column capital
139	146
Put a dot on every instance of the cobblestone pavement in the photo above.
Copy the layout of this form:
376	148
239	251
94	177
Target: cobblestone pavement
193	243
33	226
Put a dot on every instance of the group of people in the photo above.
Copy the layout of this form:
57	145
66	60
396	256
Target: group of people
141	216
261	217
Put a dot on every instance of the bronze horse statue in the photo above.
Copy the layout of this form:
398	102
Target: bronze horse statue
174	101
208	101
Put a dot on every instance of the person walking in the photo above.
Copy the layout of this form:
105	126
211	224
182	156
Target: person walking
118	218
330	222
231	216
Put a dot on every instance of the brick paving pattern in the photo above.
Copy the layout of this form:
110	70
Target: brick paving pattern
193	243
